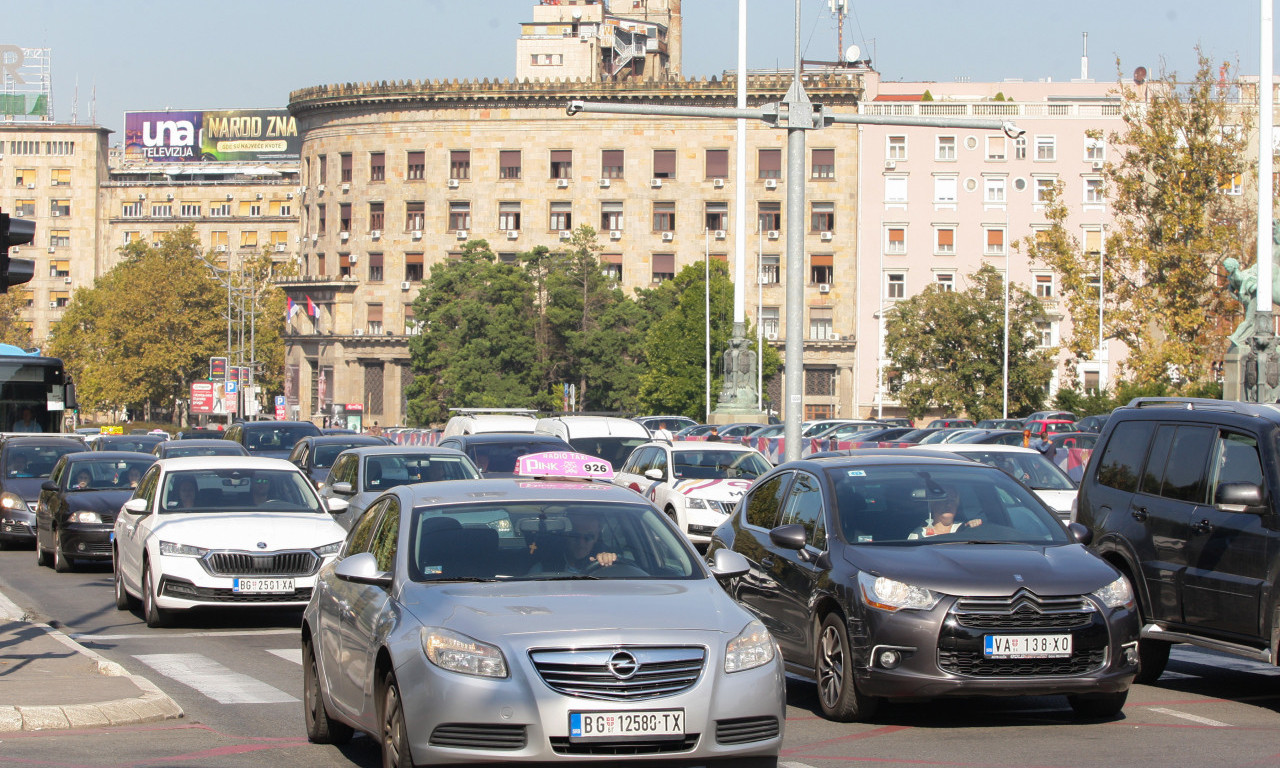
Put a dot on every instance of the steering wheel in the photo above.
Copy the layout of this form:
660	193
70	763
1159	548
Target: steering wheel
620	568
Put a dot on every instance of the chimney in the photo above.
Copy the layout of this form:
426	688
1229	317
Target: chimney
674	41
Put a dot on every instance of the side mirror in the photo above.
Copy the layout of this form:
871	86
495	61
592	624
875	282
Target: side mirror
48	485
337	506
726	564
654	474
362	569
1239	497
343	489
136	506
1080	533
791	536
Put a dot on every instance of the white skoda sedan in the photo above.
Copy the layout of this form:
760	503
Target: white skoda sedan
225	531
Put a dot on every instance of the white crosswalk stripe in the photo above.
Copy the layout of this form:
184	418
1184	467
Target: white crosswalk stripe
220	683
288	654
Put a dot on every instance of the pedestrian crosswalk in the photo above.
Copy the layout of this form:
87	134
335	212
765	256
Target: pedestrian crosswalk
217	681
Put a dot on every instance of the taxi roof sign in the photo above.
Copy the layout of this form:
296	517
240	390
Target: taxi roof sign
564	464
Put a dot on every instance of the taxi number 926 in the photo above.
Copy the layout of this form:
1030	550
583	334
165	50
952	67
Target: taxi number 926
658	723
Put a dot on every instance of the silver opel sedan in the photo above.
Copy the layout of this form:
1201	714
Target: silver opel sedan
520	620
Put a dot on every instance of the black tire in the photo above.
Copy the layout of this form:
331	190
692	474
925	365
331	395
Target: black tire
395	734
1098	706
42	557
837	694
124	601
321	729
1153	655
154	615
61	563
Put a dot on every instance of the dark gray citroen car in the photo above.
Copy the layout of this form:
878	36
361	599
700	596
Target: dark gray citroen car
904	574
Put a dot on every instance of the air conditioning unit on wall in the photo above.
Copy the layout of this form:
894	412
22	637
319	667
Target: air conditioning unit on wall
668	236
824	288
770	183
453	183
717	183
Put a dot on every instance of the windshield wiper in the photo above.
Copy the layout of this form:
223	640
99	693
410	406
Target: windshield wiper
460	580
574	577
977	541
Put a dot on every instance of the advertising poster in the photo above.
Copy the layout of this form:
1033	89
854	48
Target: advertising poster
204	136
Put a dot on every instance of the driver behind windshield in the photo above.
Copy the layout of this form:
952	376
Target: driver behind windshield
579	552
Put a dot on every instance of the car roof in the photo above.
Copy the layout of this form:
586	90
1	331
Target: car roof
508	437
703	445
981	448
498	490
42	440
225	462
403	450
197	442
866	457
343	439
107	455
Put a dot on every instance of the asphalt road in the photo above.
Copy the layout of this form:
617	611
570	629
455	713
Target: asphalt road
238	678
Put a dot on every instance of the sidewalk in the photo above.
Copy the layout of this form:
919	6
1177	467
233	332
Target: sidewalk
48	681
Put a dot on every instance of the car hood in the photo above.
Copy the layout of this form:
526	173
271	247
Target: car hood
545	609
719	490
245	530
26	487
987	569
1058	501
96	501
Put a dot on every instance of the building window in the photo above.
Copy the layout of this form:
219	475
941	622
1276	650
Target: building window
509	216
377	217
344	217
1020	148
413	269
821	269
416	168
189	210
28	208
664	217
895	241
158	210
611	266
1233	184
59	238
664	267
59	268
320	218
664	163
946	241
820	323
611	163
250	208
281	208
946	281
945	189
346	167
895	189
1044	330
717	215
128	210
1046	149
997	147
946	148
769	217
414	215
995	242
459	215
561	216
460	164
1093	192
221	210
373	373
1045	188
344	265
375	267
561	163
822	217
1095	150
717	163
769	269
373	315
1044	286
324	169
993	189
820	381
60	177
897	148
611	216
823	164
769	164
895	285
377	166
769	322
248	239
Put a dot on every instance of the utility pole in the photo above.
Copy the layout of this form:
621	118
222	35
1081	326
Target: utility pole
797	114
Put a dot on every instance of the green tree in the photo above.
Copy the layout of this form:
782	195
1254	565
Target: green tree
475	348
13	329
946	348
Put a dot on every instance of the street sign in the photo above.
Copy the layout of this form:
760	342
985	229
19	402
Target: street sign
217	367
233	387
280	412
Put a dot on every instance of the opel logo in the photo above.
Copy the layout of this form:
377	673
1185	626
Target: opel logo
623	665
262	545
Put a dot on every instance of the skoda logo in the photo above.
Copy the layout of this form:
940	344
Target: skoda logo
623	665
262	545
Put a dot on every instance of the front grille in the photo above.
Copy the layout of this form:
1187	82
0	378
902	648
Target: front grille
18	529
188	591
479	736
746	729
724	507
961	653
621	673
1024	610
974	664
301	563
102	548
562	746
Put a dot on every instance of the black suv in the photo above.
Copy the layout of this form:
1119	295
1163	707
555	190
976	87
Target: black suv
1180	495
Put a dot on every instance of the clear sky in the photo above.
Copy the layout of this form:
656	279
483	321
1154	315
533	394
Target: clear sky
147	55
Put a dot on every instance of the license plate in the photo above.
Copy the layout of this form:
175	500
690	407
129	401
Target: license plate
1026	646
651	724
261	586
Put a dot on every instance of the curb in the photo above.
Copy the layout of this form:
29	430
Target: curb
152	706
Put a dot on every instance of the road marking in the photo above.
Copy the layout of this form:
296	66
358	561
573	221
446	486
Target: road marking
1192	718
288	654
85	638
222	684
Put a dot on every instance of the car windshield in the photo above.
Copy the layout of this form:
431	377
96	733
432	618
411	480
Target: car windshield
35	460
1031	468
387	470
275	438
105	474
614	450
238	490
546	541
904	505
327	452
711	464
136	443
178	450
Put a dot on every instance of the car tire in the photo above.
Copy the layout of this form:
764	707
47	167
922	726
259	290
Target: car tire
61	563
395	734
42	557
1098	706
321	729
124	601
837	694
154	615
1153	655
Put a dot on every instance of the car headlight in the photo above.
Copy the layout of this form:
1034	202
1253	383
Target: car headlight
329	549
693	502
86	517
1117	594
181	550
891	595
753	647
459	653
13	501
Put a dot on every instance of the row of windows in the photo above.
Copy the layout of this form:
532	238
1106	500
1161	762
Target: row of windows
219	242
994	189
33	147
27	177
1043	148
993	240
192	210
27	208
560	165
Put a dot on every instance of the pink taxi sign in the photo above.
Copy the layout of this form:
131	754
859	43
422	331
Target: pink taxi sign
563	464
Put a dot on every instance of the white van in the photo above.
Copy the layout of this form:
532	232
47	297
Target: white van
607	437
470	421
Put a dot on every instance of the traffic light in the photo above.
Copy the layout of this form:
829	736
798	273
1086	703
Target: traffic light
15	232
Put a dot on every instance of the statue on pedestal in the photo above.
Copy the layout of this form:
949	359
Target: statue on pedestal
739	369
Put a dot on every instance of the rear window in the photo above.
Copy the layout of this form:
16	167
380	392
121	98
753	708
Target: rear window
1121	462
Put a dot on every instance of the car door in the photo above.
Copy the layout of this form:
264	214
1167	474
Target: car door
757	590
336	602
47	507
632	473
1228	550
796	573
368	616
131	533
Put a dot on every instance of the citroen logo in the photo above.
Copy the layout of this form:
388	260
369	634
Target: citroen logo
262	545
623	665
1017	577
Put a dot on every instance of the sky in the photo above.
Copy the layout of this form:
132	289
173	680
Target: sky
108	58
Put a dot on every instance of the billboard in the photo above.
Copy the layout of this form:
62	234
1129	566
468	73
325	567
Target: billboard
24	83
203	136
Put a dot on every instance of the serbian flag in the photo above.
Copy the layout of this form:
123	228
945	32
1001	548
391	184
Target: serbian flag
312	309
290	308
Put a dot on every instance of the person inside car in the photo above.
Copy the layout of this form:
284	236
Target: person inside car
942	517
18	466
186	494
577	551
28	422
82	480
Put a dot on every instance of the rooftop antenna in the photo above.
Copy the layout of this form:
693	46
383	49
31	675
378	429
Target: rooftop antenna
841	9
1084	59
75	102
93	104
